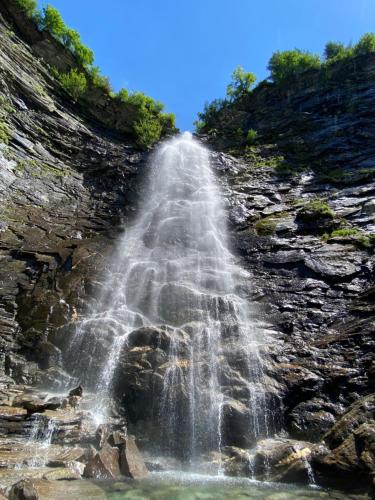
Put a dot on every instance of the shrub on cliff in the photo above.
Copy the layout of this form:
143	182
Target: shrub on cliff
211	113
74	83
150	124
241	84
283	65
28	6
148	130
336	51
168	121
100	81
52	22
365	45
251	137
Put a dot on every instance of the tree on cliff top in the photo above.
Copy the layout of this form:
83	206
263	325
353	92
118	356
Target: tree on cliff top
283	65
241	83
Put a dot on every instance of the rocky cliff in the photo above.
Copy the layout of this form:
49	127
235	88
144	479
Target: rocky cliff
66	182
301	209
301	204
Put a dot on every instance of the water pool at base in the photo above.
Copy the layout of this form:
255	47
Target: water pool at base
187	486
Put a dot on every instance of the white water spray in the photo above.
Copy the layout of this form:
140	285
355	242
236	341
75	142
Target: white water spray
174	268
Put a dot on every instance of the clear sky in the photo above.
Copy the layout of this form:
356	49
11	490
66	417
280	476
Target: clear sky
182	52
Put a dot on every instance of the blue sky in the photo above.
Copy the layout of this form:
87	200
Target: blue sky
182	52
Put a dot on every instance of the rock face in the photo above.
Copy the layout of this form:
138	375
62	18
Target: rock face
66	184
352	445
299	204
315	296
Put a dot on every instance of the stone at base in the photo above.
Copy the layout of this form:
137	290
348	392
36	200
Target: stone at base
104	465
131	461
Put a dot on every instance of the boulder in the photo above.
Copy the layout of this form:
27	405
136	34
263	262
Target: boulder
236	425
360	412
131	461
23	490
77	391
310	420
104	465
352	447
238	462
286	460
34	489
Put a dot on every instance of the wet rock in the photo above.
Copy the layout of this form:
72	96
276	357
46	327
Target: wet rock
102	435
236	431
237	463
60	490
67	456
312	419
23	490
286	460
131	461
77	391
12	413
360	412
104	465
352	446
68	473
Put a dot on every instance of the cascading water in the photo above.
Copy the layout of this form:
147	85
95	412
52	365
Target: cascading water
174	268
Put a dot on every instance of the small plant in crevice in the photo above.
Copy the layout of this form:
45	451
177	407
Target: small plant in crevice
5	134
266	226
346	231
358	237
251	137
314	210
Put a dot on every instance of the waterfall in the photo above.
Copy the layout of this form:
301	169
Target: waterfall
174	269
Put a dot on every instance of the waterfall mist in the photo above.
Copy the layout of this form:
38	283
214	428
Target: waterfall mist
173	270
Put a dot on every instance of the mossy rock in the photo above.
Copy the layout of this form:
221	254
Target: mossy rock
266	226
315	210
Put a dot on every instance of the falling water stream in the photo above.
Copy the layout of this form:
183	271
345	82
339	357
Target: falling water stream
174	268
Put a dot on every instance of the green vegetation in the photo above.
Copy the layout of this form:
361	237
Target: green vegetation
74	83
100	81
241	83
251	137
346	231
150	122
148	130
315	209
283	65
266	226
29	7
240	86
365	45
50	20
4	133
359	238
